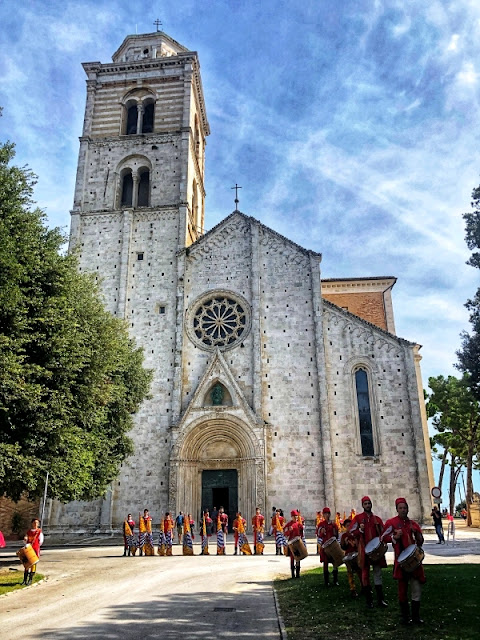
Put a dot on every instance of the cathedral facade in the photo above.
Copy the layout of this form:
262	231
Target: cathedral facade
271	386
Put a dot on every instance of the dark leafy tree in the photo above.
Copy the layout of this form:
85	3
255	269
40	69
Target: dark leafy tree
456	417
70	376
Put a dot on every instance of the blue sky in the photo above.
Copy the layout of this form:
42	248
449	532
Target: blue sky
352	127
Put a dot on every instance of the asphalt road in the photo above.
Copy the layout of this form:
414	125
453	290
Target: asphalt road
94	592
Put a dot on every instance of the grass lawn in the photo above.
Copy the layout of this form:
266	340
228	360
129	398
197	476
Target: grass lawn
10	580
450	607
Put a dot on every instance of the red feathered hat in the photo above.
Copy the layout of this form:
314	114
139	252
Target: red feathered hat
365	498
399	501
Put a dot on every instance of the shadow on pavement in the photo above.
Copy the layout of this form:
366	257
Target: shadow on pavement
192	615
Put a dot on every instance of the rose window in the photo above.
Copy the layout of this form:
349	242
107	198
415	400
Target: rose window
219	321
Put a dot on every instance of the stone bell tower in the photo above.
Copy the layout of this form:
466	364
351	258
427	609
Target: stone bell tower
139	199
143	140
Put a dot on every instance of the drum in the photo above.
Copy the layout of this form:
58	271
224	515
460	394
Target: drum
376	549
411	558
27	556
351	560
334	551
297	549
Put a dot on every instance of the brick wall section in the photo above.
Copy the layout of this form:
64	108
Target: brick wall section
26	508
368	306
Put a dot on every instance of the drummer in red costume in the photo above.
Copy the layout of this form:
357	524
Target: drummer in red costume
365	527
403	532
326	530
350	545
34	536
293	529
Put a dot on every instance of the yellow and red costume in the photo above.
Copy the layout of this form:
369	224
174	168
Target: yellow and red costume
278	523
258	524
168	527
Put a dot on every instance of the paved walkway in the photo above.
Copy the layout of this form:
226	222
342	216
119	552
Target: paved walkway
93	592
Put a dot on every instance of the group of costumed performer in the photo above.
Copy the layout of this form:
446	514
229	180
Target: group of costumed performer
240	536
129	545
145	536
258	524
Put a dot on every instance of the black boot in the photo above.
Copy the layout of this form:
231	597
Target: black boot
129	551
25	577
326	578
335	578
369	596
380	601
236	552
416	612
297	571
124	552
30	577
292	568
405	613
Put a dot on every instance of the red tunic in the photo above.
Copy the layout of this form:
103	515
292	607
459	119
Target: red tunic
408	528
293	529
373	527
33	537
326	530
348	542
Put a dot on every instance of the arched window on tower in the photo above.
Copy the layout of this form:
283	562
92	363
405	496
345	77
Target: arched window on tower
143	188
131	118
148	116
364	413
127	189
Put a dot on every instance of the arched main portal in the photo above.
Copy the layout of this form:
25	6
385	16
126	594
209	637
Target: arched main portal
218	454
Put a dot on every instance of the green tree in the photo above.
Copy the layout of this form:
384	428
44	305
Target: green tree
456	416
469	354
70	376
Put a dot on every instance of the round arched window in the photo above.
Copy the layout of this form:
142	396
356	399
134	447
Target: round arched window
218	319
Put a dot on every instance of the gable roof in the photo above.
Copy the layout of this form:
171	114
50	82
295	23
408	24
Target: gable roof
326	303
254	221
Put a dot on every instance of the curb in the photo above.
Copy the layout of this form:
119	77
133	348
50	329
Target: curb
35	584
281	624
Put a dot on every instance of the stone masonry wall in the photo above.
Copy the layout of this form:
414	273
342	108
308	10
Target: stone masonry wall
394	469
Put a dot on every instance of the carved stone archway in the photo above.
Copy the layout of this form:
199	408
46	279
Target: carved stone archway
213	442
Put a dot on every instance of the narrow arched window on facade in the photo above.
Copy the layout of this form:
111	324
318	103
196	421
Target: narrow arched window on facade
132	118
364	413
127	189
148	113
144	188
